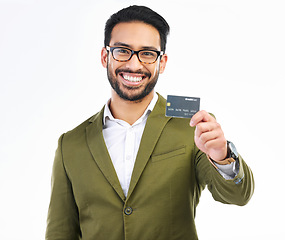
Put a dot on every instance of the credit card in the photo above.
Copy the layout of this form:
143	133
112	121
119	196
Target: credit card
181	107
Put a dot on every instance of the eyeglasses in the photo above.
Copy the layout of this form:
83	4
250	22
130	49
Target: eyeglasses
123	54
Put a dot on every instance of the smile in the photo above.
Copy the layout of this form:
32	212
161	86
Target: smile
132	78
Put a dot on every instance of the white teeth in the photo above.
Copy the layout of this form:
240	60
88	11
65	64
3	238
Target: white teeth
132	79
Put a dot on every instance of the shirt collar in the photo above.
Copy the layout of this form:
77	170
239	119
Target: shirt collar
108	115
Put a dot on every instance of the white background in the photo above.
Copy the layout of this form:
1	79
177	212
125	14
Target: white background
230	53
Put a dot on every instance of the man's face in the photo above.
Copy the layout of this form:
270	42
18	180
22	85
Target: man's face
133	80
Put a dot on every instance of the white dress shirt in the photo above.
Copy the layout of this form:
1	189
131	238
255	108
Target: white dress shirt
123	141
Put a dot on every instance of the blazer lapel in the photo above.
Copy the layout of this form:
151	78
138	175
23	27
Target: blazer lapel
97	146
153	129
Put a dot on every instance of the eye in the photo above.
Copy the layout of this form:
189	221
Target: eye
148	54
122	51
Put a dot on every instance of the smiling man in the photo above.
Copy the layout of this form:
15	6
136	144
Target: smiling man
136	76
134	59
130	172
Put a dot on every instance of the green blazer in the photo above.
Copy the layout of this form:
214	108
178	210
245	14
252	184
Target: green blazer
170	172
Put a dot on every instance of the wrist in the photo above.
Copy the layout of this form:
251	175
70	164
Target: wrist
232	156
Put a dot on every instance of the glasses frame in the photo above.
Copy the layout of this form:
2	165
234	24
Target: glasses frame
111	49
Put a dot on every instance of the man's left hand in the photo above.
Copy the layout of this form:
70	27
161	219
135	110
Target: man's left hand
209	136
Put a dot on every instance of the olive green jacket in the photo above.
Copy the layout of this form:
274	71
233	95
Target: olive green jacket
88	203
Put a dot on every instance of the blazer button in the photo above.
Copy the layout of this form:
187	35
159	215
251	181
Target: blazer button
128	210
238	181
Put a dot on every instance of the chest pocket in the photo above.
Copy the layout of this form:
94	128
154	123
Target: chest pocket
181	150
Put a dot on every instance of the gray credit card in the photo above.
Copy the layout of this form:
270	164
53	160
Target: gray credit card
181	107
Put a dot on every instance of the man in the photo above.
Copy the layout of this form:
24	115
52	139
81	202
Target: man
130	172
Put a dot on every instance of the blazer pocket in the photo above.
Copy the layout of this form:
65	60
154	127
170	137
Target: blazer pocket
170	154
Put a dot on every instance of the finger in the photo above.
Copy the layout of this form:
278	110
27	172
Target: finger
203	127
201	116
205	137
212	144
216	143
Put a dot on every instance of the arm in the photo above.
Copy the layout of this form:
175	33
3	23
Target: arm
62	220
236	191
210	140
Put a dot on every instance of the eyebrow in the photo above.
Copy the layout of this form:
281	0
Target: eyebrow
121	44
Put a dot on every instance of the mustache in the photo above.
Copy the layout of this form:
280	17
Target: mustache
147	74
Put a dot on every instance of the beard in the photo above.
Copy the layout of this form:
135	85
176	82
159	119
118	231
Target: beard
134	94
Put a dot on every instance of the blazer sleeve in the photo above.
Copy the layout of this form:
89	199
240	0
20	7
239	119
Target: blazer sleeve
62	220
236	191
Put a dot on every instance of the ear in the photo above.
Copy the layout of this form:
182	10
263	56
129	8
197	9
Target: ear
163	62
104	57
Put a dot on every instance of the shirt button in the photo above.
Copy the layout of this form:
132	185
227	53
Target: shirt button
238	181
128	210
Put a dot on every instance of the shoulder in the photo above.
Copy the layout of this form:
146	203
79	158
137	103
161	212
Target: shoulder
80	130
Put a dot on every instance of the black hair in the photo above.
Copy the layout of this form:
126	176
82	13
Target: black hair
141	14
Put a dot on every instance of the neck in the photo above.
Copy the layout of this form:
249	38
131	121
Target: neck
129	111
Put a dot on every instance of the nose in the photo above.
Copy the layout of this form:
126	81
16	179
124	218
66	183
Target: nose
134	63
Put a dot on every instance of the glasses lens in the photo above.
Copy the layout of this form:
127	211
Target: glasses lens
122	54
148	56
